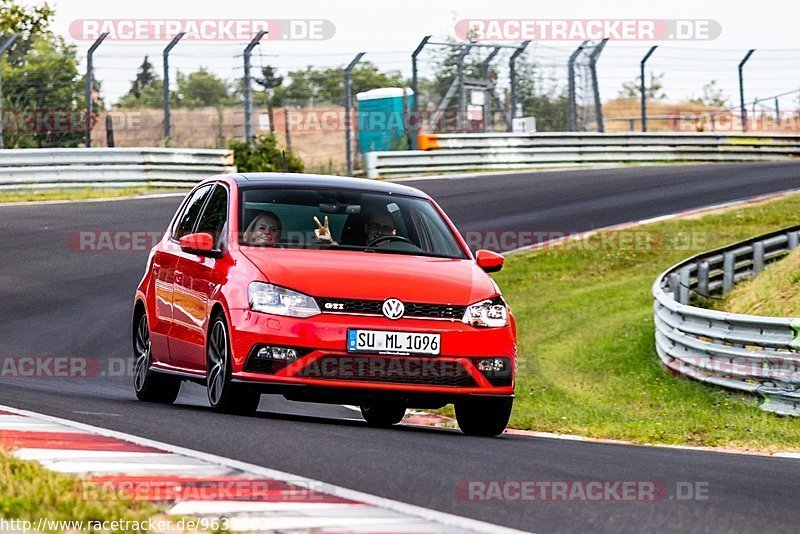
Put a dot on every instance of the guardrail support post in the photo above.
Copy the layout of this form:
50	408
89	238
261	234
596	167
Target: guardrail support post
674	284
167	125
248	91
728	267
347	97
793	239
702	279
416	123
683	290
643	88
741	89
7	42
758	257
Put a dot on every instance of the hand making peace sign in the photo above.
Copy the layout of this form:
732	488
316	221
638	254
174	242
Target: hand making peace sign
323	232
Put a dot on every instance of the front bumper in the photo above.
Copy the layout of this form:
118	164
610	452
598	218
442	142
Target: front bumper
325	364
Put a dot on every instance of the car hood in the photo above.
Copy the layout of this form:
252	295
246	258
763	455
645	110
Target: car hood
374	275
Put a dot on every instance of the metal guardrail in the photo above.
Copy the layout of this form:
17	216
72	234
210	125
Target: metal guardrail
110	167
754	354
505	151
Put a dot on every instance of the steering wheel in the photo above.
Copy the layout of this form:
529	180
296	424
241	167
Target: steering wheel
389	237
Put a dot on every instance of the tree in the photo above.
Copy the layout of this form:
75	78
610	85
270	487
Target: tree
43	97
270	81
541	97
144	77
201	89
263	155
712	96
321	85
28	22
653	91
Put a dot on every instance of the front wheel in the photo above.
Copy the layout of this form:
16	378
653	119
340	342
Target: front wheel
224	395
149	385
383	415
483	417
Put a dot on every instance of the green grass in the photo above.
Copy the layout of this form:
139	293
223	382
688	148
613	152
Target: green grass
587	363
774	292
76	194
28	491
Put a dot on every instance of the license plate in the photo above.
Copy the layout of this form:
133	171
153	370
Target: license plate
386	342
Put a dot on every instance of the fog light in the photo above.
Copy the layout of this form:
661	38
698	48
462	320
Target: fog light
277	353
492	365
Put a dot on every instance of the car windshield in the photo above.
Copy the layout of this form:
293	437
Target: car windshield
344	220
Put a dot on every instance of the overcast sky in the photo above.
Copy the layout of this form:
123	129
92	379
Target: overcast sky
389	32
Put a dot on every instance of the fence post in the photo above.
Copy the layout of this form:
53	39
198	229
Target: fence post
512	73
572	112
643	88
248	91
89	79
347	96
170	46
3	47
741	88
415	119
598	105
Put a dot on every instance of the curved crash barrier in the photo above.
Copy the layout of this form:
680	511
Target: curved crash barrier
759	355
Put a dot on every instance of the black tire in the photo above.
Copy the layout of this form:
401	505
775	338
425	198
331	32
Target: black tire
483	417
223	395
150	386
383	415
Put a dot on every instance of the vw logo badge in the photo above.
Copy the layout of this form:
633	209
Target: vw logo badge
393	309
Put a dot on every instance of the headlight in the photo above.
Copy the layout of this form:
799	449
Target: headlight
267	298
491	313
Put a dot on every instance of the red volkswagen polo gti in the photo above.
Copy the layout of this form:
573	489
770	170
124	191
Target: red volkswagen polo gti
324	289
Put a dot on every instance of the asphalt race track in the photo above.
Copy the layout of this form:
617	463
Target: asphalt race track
60	301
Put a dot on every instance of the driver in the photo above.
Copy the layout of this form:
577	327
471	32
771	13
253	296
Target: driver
378	225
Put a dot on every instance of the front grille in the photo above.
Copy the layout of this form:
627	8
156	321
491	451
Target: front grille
373	307
405	370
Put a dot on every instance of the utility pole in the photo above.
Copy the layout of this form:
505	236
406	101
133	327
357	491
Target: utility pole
741	88
347	97
642	87
248	92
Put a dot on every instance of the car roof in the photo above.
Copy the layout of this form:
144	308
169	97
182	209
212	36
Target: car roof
248	179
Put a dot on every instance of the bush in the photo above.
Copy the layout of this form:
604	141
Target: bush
263	156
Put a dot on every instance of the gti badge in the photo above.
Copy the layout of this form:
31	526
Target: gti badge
393	309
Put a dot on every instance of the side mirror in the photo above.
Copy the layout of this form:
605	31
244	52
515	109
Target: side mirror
489	261
201	244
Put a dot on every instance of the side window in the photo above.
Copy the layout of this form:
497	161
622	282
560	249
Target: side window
215	215
188	216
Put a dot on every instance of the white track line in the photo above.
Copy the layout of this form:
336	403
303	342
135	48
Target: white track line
445	519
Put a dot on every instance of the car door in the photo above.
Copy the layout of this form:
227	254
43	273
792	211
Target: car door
165	266
196	278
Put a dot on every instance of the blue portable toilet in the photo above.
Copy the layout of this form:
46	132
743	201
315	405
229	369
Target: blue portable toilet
382	118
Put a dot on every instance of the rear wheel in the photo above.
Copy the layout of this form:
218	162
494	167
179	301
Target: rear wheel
483	417
383	415
150	386
224	395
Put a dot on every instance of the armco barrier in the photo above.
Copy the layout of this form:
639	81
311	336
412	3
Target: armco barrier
759	355
504	151
110	167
